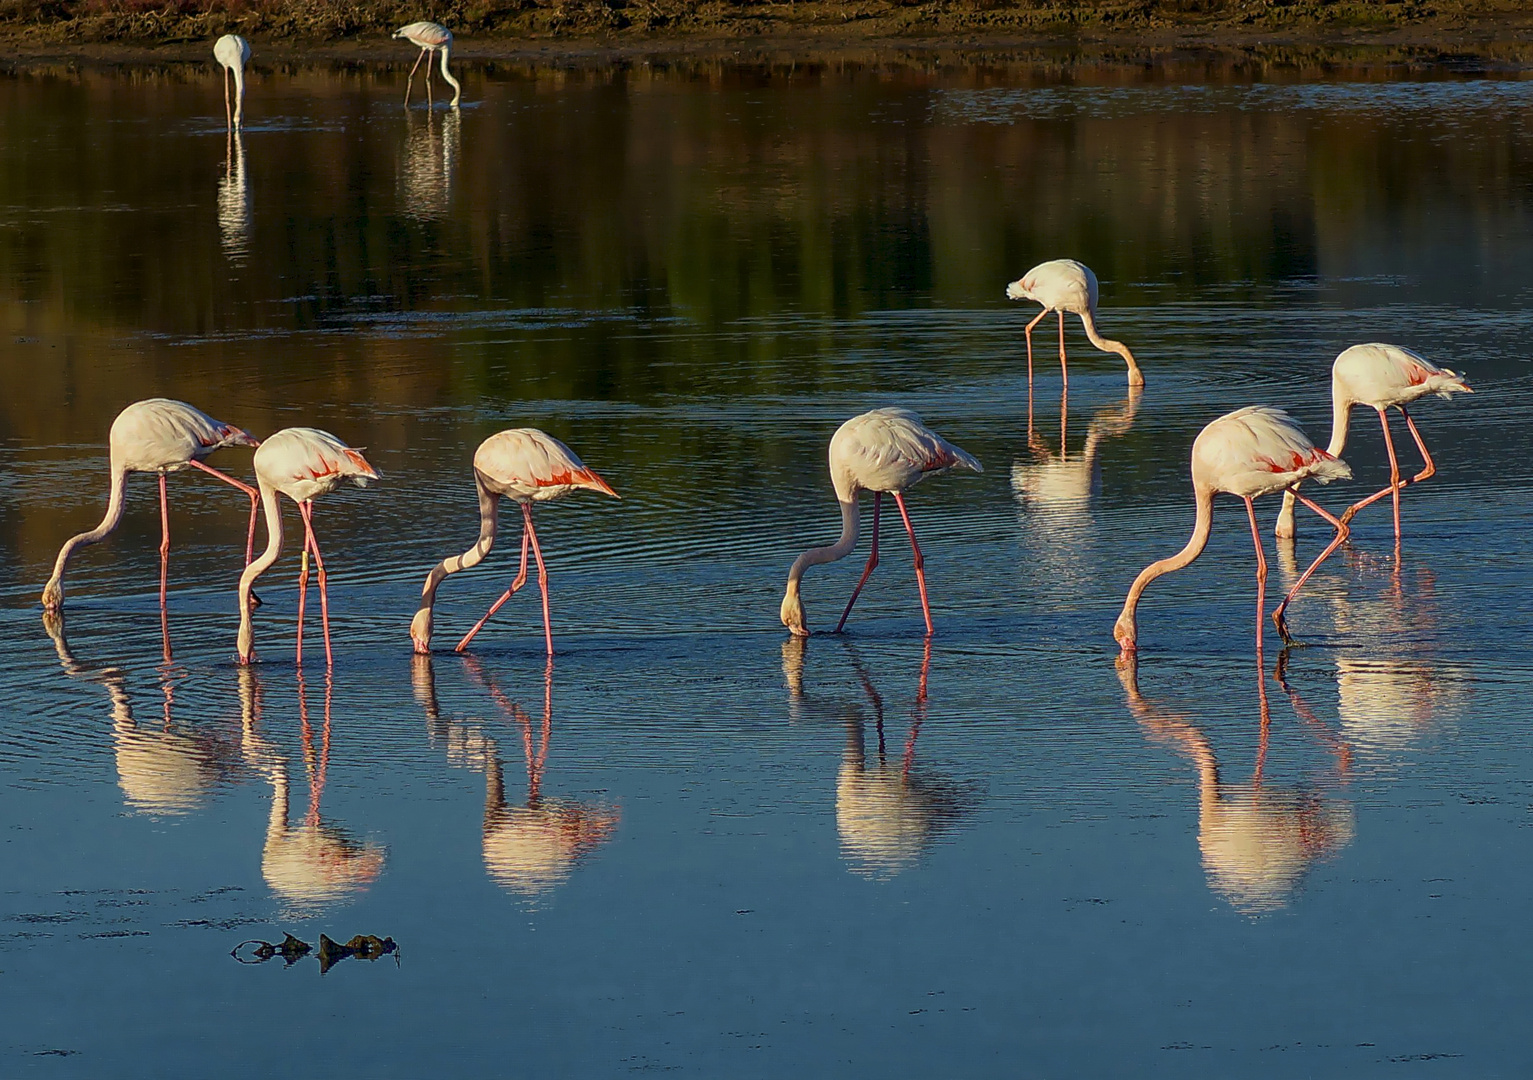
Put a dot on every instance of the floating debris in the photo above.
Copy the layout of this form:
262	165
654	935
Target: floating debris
330	952
291	950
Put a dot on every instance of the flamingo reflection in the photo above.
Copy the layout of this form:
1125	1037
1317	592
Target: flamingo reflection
168	769
433	144
1257	840
530	846
889	811
314	864
234	201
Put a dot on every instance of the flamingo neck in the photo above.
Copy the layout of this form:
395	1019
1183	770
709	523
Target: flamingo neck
457	88
831	552
1088	320
1341	420
489	517
239	94
261	564
53	593
1127	628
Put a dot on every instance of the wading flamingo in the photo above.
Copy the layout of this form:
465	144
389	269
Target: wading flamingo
233	52
886	450
159	436
1380	376
526	466
1065	285
1248	453
430	37
302	463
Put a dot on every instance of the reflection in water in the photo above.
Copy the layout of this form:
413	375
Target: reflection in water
1257	841
315	864
161	770
888	812
429	163
531	847
234	201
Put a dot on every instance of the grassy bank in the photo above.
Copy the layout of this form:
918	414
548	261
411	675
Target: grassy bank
38	24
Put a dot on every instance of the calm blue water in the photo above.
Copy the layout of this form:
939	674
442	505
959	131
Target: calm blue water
694	846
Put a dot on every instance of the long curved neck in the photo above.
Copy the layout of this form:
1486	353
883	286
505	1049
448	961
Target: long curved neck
1341	419
457	88
489	517
239	94
261	563
53	594
1088	320
831	552
1194	548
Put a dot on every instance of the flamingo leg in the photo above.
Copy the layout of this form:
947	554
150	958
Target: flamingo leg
919	561
1064	370
878	498
303	585
1342	532
1261	573
1394	480
324	589
517	583
228	108
1431	466
429	57
164	540
411	77
1028	333
548	630
255	503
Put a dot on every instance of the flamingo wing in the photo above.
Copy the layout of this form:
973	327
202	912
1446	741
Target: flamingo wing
530	460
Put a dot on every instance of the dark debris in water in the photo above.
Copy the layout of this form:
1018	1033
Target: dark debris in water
329	953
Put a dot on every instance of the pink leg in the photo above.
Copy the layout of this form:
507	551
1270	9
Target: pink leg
1028	333
324	590
303	586
521	579
548	629
411	79
920	562
1342	532
1261	574
164	540
1431	466
255	503
1394	481
878	497
1064	370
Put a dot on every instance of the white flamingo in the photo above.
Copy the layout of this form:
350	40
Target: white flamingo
885	450
233	52
430	37
1065	285
160	436
526	466
302	463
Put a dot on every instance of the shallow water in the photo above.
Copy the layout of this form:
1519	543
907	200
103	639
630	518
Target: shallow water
691	846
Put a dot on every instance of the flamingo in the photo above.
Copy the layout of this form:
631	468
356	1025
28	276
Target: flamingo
160	436
1065	285
1380	376
430	37
1249	453
233	52
885	450
526	466
301	463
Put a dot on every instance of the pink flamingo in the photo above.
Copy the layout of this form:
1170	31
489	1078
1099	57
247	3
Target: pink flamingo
1383	377
1065	285
430	37
159	436
301	463
886	450
1249	453
526	466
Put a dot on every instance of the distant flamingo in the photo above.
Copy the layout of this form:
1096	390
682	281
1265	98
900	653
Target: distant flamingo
1248	453
1380	376
1065	285
430	37
886	450
302	463
160	436
526	466
233	52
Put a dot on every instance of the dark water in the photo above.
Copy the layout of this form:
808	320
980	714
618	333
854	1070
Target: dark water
693	847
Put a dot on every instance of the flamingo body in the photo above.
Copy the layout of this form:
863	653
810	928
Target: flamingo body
526	466
1247	453
883	451
430	38
233	52
156	435
301	463
1064	285
1381	377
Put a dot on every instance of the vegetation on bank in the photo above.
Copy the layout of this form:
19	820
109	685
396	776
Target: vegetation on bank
329	20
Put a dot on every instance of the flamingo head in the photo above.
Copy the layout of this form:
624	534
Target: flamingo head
420	631
53	596
793	611
1126	633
